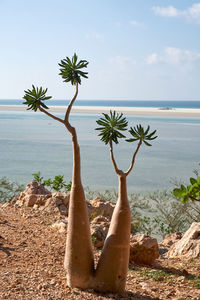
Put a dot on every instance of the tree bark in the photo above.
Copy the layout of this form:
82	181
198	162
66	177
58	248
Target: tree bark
79	261
112	268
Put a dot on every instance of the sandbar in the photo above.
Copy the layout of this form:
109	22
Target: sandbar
142	111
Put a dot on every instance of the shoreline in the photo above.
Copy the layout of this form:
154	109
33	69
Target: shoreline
146	111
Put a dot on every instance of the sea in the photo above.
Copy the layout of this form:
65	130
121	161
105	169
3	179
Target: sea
117	103
32	142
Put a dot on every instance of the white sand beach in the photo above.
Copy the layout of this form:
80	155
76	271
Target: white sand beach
143	111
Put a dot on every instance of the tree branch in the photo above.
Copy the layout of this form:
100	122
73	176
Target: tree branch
50	115
194	199
119	172
133	159
66	121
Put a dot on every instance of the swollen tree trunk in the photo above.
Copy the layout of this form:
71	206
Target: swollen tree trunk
79	261
112	268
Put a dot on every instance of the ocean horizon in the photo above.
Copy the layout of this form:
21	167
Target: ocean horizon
118	103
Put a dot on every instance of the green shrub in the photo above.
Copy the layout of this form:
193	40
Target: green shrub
190	192
9	190
57	184
157	213
169	214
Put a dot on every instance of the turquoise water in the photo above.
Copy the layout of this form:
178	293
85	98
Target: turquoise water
32	142
117	103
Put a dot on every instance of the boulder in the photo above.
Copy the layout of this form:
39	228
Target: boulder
35	193
58	200
189	245
37	196
171	238
53	202
98	235
30	200
143	249
99	229
55	206
60	225
18	203
64	197
103	221
63	210
98	207
35	188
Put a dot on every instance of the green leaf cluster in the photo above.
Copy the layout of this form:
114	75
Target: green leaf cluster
71	70
37	177
111	127
139	134
57	184
35	97
190	192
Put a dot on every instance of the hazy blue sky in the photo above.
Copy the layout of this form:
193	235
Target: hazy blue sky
137	49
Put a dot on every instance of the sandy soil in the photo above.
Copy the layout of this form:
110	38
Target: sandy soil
143	111
31	265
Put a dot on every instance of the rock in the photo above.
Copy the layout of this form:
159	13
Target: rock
50	210
171	238
98	207
189	245
35	188
103	221
147	286
64	197
38	197
35	206
53	202
63	209
18	203
35	193
143	249
61	225
55	205
30	200
98	235
99	229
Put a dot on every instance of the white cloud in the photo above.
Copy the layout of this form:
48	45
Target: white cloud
137	24
191	13
194	12
174	56
169	11
152	59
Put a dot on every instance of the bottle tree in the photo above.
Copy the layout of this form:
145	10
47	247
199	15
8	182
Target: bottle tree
112	267
111	271
79	261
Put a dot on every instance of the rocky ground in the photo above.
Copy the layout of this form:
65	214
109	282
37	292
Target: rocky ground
31	265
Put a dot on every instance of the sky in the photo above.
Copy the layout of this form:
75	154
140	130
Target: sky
136	49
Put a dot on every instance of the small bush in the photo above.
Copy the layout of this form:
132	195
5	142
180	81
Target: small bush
57	184
9	190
